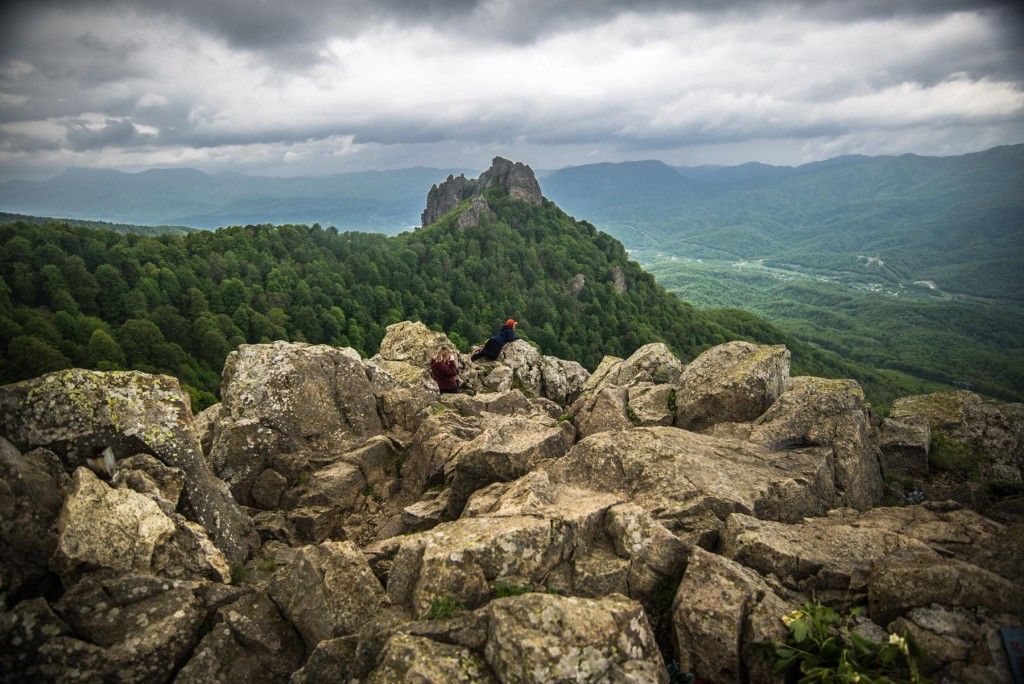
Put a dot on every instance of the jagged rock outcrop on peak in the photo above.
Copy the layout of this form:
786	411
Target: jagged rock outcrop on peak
733	382
288	400
327	591
473	214
970	431
75	413
619	280
832	414
515	177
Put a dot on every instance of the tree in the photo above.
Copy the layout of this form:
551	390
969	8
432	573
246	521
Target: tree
32	356
103	351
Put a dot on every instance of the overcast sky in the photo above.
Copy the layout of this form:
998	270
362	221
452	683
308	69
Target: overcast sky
295	87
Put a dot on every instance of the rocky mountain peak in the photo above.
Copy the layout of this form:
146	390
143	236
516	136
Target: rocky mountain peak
516	177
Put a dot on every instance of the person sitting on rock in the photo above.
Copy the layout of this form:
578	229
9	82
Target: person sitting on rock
497	342
442	367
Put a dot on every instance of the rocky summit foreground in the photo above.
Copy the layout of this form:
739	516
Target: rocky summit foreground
335	518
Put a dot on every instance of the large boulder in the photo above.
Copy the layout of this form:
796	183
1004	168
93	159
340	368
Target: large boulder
653	363
650	364
546	638
525	362
651	405
562	380
721	611
733	382
830	558
412	343
904	444
468	452
24	628
533	534
31	495
101	527
833	414
969	433
691	482
958	644
403	391
327	591
601	411
292	400
408	658
133	628
248	642
77	413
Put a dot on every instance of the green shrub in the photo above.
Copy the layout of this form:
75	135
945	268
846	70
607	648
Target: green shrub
503	589
444	606
950	454
822	647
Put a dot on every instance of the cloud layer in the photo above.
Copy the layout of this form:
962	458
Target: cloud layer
321	86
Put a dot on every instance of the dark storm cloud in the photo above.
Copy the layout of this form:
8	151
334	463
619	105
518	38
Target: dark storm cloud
81	136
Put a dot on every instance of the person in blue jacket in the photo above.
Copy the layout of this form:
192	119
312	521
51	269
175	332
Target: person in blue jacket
497	341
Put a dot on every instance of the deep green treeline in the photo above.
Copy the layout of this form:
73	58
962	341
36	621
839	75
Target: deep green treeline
177	304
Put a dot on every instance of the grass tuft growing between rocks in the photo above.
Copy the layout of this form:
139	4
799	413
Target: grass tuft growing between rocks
951	455
505	589
444	606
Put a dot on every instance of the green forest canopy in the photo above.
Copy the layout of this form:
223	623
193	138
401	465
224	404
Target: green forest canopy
178	304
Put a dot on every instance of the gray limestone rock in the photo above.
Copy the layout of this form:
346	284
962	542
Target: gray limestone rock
288	398
733	382
75	413
327	591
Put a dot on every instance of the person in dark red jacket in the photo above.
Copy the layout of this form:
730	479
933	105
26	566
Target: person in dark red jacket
442	367
498	340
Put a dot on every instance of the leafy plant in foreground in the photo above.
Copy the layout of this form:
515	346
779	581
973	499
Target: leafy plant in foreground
822	646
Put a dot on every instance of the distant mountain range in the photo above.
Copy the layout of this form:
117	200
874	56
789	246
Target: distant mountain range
381	201
954	221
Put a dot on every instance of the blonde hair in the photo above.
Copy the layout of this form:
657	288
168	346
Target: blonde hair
444	353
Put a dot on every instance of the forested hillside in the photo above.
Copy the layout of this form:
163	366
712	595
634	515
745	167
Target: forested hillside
74	296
